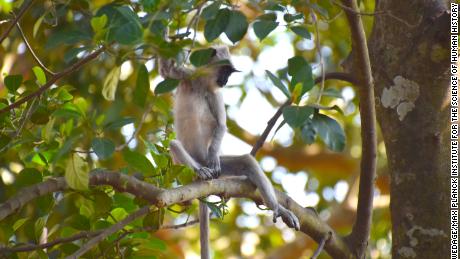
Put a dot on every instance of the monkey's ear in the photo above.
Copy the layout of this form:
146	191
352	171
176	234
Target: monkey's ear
214	52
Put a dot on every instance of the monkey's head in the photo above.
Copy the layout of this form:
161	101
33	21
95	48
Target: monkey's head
221	58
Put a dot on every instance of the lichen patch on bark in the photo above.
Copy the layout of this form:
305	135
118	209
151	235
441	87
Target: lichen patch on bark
401	96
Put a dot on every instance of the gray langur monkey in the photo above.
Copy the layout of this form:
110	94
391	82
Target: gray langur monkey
200	124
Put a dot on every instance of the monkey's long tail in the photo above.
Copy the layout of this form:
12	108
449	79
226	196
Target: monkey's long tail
204	231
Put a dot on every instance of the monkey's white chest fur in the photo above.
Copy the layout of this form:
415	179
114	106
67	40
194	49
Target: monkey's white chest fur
194	122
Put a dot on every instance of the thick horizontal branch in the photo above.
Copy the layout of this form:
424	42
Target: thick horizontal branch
229	187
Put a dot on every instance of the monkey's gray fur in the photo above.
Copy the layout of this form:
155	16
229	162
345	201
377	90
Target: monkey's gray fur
200	124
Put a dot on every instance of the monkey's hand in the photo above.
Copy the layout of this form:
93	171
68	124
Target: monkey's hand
204	173
214	163
288	217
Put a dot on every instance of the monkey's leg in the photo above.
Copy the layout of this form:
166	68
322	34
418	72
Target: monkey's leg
181	156
246	165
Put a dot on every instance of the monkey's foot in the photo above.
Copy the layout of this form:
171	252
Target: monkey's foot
205	173
288	217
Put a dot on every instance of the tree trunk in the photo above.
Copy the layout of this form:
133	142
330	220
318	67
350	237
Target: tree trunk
409	49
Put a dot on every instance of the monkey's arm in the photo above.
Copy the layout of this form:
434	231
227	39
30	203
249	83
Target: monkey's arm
168	69
217	109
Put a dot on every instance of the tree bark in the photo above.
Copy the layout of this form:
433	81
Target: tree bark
409	49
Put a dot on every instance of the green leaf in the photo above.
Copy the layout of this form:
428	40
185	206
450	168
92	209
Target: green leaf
296	116
40	75
118	214
237	26
330	131
150	5
166	86
76	173
28	176
210	11
215	209
98	23
138	161
154	244
19	223
64	95
142	86
301	31
292	17
185	174
158	28
301	72
79	222
124	24
39	226
68	110
110	84
308	132
103	147
66	37
37	25
273	6
216	26
202	57
71	54
113	125
12	82
267	17
262	28
154	219
40	116
277	82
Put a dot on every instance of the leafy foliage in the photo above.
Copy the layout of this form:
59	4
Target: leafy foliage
104	115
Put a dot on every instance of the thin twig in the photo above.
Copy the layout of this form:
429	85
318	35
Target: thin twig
54	79
24	8
321	60
271	123
32	51
194	21
346	8
30	247
138	129
183	225
86	234
321	244
390	14
108	231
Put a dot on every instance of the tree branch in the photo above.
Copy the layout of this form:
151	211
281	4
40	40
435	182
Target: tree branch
30	247
24	8
85	234
361	229
108	231
271	123
230	187
54	79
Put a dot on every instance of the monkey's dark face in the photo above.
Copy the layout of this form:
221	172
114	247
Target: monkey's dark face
223	74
